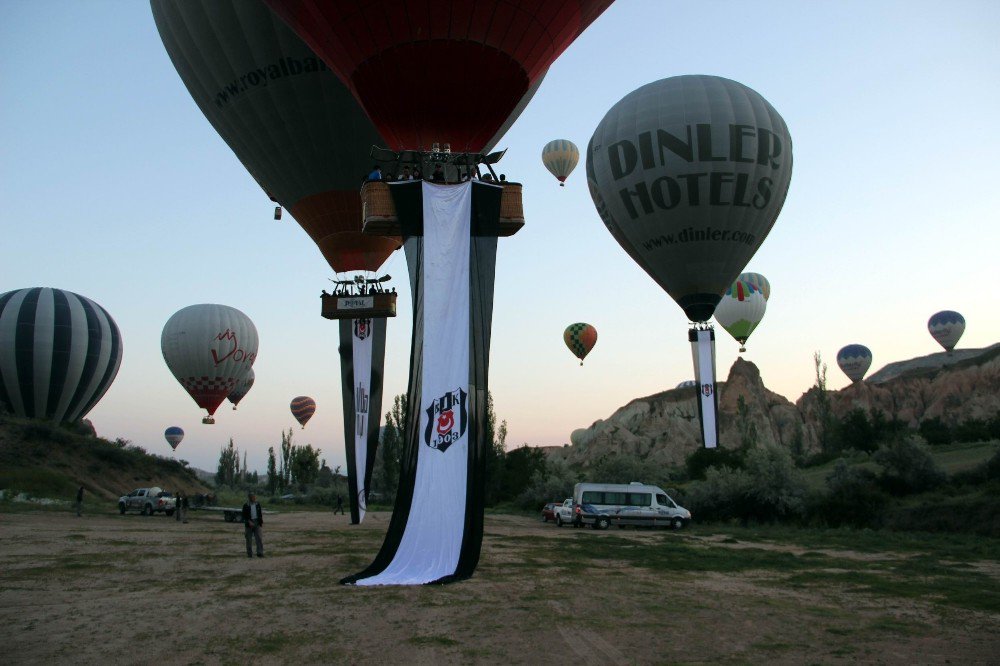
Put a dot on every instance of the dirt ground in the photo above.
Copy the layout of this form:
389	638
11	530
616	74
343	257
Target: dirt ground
132	589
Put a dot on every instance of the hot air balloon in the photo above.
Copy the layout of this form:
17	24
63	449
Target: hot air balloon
59	353
303	407
242	388
687	383
740	311
173	435
209	348
946	327
758	282
560	158
291	122
689	174
580	338
416	64
854	360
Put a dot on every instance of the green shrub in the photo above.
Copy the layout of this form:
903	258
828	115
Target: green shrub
908	467
935	431
553	483
699	462
852	498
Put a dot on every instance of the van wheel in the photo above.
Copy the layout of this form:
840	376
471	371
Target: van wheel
676	523
121	508
559	522
602	524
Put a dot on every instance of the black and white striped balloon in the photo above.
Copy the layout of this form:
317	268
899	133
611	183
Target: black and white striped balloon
59	353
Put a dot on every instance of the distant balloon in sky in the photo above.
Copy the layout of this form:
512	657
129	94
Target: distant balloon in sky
303	407
209	348
173	435
59	353
560	157
854	360
946	327
687	383
740	311
242	388
580	338
758	282
689	174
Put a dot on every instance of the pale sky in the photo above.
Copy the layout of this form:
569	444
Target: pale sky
113	185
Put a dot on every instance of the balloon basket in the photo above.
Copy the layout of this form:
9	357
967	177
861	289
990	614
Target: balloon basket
359	306
379	212
208	420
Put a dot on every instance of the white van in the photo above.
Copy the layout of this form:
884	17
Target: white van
632	504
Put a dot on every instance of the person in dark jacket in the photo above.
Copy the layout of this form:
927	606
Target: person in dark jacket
79	502
340	505
253	521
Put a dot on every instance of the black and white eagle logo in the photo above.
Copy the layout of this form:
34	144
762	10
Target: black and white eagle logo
362	328
447	419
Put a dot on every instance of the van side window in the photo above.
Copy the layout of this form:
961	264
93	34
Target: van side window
640	499
614	499
593	497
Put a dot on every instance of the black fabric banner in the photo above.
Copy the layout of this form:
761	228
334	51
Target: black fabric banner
362	404
483	225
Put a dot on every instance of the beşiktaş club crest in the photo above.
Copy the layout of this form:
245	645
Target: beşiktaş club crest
447	418
707	390
362	328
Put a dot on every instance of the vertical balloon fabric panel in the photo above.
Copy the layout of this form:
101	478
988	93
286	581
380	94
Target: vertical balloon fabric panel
59	353
703	352
362	363
450	240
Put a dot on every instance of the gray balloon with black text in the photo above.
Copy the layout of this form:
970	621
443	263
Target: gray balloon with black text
689	174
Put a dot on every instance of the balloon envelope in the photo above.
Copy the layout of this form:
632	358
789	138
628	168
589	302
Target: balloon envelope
580	338
242	388
758	282
173	435
303	407
946	327
687	383
59	353
854	360
291	122
689	174
560	157
450	71
209	348
740	311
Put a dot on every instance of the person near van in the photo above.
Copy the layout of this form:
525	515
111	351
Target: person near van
184	507
253	521
177	505
79	502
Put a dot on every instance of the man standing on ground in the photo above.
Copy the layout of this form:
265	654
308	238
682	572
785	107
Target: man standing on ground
79	502
253	521
340	506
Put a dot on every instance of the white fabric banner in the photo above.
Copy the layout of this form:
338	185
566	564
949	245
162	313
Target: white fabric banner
361	345
703	350
432	540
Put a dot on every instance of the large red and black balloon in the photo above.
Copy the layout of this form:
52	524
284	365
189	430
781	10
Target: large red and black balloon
449	71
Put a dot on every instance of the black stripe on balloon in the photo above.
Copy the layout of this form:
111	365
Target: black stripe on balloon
5	402
93	354
110	370
408	199
62	346
24	347
346	350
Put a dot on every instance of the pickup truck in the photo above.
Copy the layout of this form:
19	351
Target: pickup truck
147	501
578	515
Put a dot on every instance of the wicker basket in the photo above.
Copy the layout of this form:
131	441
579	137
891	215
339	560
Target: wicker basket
379	212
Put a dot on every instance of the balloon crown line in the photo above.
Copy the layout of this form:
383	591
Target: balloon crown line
427	159
360	285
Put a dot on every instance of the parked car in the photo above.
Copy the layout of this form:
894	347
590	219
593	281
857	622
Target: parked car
148	501
549	512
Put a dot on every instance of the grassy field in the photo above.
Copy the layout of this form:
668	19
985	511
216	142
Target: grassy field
541	595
